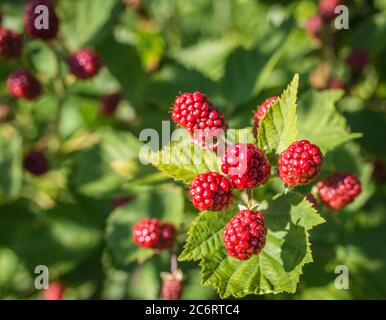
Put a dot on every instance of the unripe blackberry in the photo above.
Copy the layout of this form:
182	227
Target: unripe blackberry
261	111
357	59
155	234
314	25
23	85
54	291
300	163
36	163
244	235
327	8
245	165
84	64
121	201
172	286
33	23
10	44
338	190
110	103
194	111
211	191
336	83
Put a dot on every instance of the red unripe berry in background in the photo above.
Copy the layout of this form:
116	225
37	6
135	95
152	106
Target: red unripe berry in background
357	59
23	85
327	8
10	44
54	291
245	165
34	22
211	191
109	103
338	190
154	233
245	234
85	63
314	25
300	163
36	163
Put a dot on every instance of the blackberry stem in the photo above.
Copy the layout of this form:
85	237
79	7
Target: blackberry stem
173	263
250	198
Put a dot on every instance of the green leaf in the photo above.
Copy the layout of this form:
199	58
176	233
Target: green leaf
167	203
320	122
10	164
207	57
276	269
184	161
277	129
87	21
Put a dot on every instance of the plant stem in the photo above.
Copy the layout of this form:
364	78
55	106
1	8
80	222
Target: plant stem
250	198
173	263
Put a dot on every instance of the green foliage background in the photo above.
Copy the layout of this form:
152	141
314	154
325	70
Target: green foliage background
238	52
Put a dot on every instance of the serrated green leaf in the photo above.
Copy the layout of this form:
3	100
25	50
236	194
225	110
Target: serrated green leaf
320	122
277	129
184	161
276	269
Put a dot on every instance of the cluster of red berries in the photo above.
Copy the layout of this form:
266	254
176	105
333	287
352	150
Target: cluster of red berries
22	84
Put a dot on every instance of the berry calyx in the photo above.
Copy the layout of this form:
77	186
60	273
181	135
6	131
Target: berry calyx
109	103
338	190
245	165
244	235
357	59
327	8
211	191
194	111
300	163
23	84
44	32
36	163
261	111
155	234
54	291
314	25
172	287
10	44
84	64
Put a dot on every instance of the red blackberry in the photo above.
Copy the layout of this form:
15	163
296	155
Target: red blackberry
300	163
327	8
211	191
10	44
338	190
155	234
54	291
84	64
314	25
261	111
194	111
35	25
36	163
357	59
110	103
23	84
244	235
172	287
336	83
246	166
